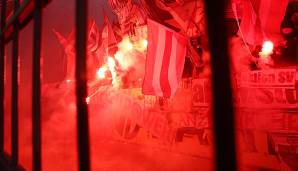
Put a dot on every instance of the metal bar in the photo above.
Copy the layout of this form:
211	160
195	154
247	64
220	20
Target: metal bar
14	17
81	86
36	121
24	17
15	90
223	116
6	164
2	65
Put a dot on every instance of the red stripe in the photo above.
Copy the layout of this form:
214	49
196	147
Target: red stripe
164	80
150	60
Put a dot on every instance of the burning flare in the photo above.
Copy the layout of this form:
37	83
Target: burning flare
101	72
267	49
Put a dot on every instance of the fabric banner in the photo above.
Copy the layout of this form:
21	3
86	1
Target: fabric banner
273	88
257	20
165	60
268	120
267	98
267	78
201	93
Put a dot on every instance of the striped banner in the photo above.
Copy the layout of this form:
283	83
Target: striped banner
165	60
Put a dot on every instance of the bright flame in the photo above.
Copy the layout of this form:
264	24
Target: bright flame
141	45
87	100
119	56
129	46
131	51
111	62
126	44
144	43
68	80
101	72
124	59
267	49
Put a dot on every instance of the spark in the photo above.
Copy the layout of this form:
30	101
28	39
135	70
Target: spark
88	100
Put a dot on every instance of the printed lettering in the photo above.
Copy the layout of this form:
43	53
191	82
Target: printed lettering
290	95
290	76
279	96
281	77
265	96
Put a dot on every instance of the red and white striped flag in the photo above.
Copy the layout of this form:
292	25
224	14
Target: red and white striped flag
165	60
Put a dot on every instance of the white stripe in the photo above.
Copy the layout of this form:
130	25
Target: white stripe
158	61
172	74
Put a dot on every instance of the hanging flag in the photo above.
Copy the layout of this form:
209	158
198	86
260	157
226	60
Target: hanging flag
261	19
93	39
108	33
251	26
109	41
165	60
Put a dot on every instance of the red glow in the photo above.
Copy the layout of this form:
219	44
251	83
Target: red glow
125	136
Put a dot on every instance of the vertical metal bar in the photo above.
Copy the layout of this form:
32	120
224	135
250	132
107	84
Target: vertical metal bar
223	116
14	95
81	87
36	112
2	66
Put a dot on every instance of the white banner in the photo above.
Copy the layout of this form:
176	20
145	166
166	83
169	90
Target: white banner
267	78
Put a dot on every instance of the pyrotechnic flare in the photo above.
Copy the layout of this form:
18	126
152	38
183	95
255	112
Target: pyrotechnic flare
267	49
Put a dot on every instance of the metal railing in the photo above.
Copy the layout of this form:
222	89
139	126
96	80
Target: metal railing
28	10
15	90
36	112
23	13
81	85
223	114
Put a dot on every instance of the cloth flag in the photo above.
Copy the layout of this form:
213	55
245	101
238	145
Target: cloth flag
109	41
165	60
261	19
93	39
108	33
